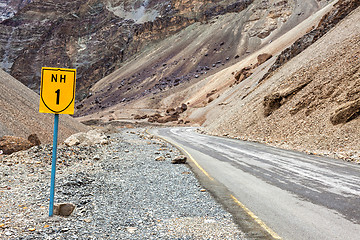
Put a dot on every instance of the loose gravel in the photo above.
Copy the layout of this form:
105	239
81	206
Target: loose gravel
119	190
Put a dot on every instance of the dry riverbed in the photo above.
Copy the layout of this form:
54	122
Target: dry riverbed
119	190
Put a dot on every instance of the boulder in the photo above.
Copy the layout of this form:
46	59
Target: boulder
169	118
170	110
243	74
11	144
89	138
154	117
139	117
160	159
178	111
184	107
179	160
263	58
34	139
63	209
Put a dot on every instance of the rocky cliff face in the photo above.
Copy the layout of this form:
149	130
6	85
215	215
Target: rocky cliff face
94	36
8	8
171	42
200	39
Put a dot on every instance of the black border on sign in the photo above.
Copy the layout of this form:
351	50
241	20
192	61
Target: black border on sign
41	88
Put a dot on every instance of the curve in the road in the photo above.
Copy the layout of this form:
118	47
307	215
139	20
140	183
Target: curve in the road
299	196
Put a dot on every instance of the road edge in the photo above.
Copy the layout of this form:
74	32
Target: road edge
247	222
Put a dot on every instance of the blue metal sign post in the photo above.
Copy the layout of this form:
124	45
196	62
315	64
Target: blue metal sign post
53	165
57	96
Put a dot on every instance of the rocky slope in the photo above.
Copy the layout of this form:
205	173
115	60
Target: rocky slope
98	36
256	70
8	8
19	113
303	98
198	51
94	36
311	103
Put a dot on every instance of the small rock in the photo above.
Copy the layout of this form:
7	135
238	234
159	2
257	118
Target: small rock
126	150
96	158
209	221
202	190
64	209
179	160
161	158
131	229
87	220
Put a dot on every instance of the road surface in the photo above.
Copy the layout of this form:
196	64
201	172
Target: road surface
289	194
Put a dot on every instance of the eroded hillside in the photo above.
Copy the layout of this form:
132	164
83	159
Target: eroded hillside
195	53
310	104
93	36
281	72
304	97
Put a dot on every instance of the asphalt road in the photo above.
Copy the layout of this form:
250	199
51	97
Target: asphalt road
294	195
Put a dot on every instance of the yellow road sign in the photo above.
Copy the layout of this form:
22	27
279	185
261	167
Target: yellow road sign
57	91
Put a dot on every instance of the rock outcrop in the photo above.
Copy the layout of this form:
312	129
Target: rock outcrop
98	37
11	144
339	12
346	113
95	37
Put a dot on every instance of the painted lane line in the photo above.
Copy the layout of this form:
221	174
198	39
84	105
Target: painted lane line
187	153
194	161
256	219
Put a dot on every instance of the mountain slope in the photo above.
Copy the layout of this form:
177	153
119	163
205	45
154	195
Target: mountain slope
198	51
309	104
94	36
19	115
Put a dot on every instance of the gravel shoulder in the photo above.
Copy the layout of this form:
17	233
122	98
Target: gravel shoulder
119	190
